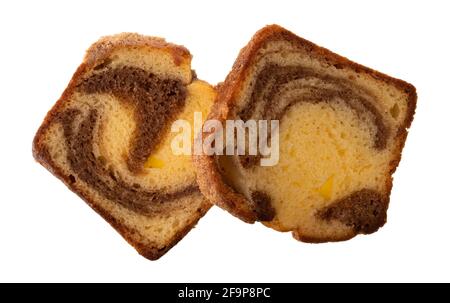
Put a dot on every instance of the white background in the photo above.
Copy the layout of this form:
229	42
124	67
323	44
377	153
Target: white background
48	234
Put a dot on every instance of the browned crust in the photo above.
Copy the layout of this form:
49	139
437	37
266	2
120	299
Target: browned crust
105	45
315	240
213	185
95	55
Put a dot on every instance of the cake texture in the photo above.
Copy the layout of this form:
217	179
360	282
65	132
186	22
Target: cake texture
108	139
342	127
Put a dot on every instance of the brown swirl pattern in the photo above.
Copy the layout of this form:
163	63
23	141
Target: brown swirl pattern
155	101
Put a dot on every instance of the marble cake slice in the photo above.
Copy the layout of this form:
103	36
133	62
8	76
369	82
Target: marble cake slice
108	139
342	127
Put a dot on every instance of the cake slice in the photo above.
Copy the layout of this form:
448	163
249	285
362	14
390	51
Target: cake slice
108	139
342	127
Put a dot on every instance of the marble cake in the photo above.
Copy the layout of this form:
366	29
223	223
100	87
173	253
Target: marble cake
342	129
108	139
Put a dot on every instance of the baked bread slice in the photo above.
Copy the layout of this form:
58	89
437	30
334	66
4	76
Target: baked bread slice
108	139
342	127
